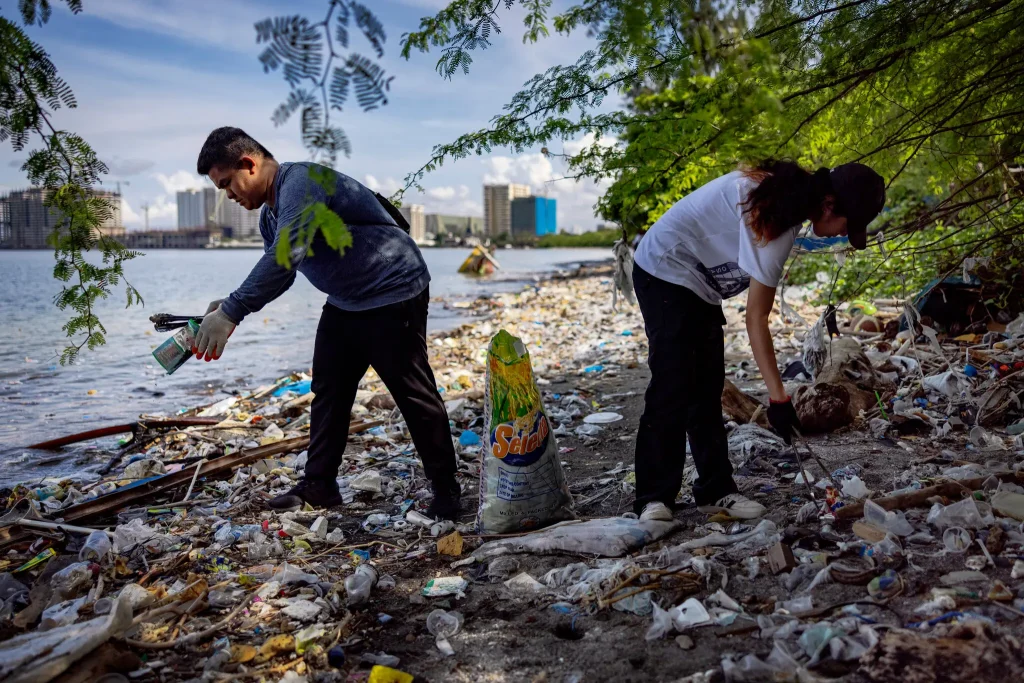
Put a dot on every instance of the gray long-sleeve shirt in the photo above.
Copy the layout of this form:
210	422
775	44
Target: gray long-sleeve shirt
383	266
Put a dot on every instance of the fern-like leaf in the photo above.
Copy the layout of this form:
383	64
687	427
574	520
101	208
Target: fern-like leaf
341	79
371	27
370	82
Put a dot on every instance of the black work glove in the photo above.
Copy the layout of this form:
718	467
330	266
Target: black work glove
783	419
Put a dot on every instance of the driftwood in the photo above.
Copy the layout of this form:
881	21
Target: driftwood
741	407
135	427
973	651
902	501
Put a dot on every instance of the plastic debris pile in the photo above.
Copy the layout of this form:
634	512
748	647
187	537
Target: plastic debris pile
855	569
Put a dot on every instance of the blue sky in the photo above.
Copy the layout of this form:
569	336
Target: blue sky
152	78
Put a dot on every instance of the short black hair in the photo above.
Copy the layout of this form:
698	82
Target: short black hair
225	146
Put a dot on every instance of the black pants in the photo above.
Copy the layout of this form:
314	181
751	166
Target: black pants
393	339
684	398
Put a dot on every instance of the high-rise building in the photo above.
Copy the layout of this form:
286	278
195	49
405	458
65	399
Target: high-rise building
235	220
533	217
413	213
26	222
196	208
498	207
209	208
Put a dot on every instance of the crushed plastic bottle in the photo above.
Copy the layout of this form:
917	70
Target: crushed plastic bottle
68	582
97	547
360	583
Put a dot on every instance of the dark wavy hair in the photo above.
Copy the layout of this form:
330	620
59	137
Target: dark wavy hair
785	196
225	146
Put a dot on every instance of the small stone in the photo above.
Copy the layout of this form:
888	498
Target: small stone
410	638
417	599
685	642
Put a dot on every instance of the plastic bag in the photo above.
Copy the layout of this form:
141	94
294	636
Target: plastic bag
127	536
950	383
521	481
610	537
689	615
525	584
964	513
38	656
855	488
661	624
623	273
1016	327
751	441
815	352
892	521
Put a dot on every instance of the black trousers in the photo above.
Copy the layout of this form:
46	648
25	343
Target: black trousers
393	339
684	397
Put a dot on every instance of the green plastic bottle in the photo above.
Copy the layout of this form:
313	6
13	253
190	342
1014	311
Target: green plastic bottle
173	353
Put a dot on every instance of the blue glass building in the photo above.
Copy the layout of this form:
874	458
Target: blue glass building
534	216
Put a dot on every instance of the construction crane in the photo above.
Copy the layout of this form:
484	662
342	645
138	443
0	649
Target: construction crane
145	211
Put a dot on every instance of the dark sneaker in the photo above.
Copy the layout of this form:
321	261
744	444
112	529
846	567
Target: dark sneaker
446	502
318	494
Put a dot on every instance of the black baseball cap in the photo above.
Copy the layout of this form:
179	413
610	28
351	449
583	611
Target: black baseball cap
859	195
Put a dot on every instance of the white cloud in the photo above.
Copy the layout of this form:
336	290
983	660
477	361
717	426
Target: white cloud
457	200
226	24
128	215
574	147
386	187
534	170
179	181
453	200
163	214
576	200
128	167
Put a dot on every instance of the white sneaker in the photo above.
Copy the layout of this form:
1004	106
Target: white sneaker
657	512
735	505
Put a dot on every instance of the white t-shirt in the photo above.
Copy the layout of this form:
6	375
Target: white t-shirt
704	244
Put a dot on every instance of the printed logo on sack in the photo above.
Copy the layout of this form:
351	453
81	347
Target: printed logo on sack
520	448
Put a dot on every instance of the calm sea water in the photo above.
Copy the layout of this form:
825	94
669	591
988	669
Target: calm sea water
39	399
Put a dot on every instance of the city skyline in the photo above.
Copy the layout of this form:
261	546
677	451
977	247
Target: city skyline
150	83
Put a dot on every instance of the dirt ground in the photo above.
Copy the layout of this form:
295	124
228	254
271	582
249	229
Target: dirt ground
506	638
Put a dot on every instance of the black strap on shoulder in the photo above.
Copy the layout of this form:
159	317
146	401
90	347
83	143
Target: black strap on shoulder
392	211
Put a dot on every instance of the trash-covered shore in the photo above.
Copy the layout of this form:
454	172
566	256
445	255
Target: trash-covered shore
893	546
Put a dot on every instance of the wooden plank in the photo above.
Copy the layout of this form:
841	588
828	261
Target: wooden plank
112	502
123	428
902	501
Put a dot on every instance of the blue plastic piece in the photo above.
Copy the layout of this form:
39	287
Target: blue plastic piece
469	438
299	388
815	243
